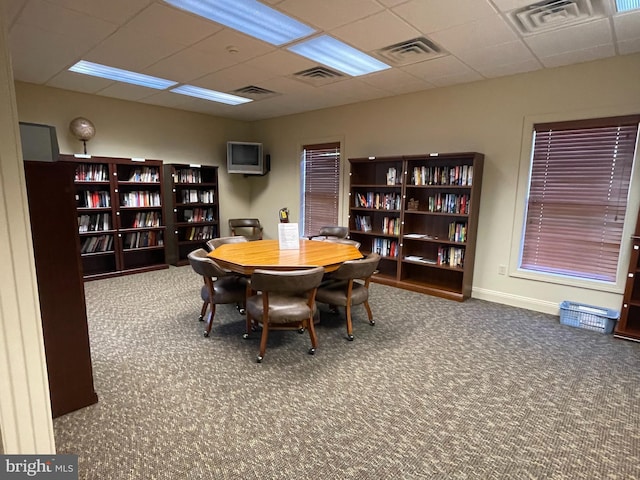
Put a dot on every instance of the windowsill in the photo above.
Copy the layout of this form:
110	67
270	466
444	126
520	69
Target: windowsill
567	281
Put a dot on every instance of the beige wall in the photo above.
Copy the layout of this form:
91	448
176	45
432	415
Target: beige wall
126	129
485	116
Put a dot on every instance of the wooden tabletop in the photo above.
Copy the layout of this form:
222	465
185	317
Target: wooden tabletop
246	257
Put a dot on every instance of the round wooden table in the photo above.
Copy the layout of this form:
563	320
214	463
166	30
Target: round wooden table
246	257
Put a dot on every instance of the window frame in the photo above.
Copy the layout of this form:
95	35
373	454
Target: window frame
520	208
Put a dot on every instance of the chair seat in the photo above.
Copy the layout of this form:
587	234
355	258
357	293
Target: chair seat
226	290
282	308
333	293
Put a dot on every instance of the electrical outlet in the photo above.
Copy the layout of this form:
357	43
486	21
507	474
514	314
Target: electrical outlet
502	269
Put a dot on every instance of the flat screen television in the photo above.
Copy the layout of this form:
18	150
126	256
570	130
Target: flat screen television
39	142
245	157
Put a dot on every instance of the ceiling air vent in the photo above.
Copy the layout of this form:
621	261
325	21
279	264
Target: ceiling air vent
411	51
256	93
318	76
554	14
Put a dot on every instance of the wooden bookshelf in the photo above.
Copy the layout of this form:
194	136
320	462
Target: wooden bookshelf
191	209
120	215
422	211
628	326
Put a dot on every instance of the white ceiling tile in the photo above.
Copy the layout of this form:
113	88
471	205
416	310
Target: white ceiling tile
233	78
507	5
496	55
397	82
438	67
457	79
578	56
280	62
166	98
627	25
184	66
126	91
493	71
629	46
185	29
484	32
78	82
12	9
131	50
329	14
377	31
392	3
433	16
116	11
230	47
578	37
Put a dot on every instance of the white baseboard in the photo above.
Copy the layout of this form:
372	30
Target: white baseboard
516	301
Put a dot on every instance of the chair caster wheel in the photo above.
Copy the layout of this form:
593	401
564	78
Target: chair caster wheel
350	338
301	330
258	359
312	351
206	334
372	322
241	310
201	318
245	335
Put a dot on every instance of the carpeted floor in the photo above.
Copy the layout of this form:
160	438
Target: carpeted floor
435	390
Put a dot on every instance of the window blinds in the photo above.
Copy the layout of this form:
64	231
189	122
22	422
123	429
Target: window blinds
321	186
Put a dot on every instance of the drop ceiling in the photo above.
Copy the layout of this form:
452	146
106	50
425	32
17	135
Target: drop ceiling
428	43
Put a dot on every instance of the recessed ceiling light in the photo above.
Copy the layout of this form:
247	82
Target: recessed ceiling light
211	95
250	17
102	71
335	54
626	5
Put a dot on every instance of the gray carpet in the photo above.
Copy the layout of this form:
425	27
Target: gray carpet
436	389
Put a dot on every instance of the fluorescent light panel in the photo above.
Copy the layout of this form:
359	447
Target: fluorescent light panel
250	17
211	95
335	54
119	75
626	5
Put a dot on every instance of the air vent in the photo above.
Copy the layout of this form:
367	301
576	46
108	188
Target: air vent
554	14
412	51
318	76
256	93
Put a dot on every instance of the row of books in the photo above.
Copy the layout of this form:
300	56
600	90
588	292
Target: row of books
143	198
443	175
92	172
377	200
89	199
449	203
94	223
451	256
198	196
145	174
200	233
198	215
391	225
385	247
101	243
147	219
143	239
188	175
363	223
458	232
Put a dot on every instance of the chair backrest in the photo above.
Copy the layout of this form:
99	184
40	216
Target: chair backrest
251	226
204	265
361	269
290	281
346	241
216	242
333	231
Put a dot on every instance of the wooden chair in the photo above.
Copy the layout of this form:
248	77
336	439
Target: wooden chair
248	227
219	287
349	286
285	300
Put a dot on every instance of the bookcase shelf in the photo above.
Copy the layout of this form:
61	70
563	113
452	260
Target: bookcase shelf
191	209
628	326
111	195
421	214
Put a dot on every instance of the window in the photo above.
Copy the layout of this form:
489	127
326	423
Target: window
577	200
320	186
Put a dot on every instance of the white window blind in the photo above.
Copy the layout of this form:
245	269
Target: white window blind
578	197
321	166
